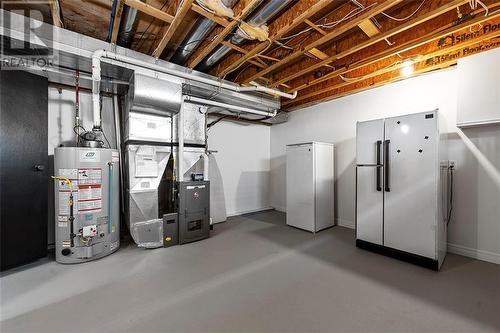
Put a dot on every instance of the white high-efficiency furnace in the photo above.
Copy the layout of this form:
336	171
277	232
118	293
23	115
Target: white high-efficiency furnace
401	188
309	186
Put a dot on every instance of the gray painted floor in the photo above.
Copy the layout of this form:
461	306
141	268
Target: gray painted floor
254	274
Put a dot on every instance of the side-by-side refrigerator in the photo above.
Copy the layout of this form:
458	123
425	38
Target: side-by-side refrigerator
401	188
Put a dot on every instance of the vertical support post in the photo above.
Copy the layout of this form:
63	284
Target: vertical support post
180	138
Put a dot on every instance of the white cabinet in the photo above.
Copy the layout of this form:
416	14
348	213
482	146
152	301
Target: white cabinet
479	89
310	186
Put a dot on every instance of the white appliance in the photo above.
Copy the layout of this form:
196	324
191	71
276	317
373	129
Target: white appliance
401	188
309	186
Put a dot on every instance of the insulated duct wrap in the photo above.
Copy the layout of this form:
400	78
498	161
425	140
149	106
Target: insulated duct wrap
154	96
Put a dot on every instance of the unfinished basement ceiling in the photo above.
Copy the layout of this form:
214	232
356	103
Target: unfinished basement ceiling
322	49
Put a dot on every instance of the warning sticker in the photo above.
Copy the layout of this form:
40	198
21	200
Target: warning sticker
89	192
90	176
89	206
69	173
62	221
63	186
115	156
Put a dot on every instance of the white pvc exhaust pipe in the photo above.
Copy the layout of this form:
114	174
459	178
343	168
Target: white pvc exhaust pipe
96	78
236	108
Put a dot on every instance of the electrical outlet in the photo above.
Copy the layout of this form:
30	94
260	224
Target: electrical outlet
452	164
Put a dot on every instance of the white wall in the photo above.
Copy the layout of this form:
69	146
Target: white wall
475	227
243	158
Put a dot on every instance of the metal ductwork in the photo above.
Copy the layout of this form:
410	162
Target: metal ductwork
127	27
265	14
198	34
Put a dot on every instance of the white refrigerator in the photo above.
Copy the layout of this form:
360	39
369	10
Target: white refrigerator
310	173
401	188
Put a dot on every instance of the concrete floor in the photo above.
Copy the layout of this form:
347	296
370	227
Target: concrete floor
254	274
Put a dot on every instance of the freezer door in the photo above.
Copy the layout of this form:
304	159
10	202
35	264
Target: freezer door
300	186
411	167
369	205
369	136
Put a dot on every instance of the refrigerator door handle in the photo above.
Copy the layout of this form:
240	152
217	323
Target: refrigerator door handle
386	165
379	169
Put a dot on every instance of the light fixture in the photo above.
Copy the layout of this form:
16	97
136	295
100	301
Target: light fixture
408	68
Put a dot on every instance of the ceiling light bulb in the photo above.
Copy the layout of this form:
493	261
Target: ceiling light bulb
407	69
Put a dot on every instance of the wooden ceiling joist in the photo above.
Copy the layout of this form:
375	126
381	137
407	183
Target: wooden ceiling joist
369	28
370	84
250	5
150	10
217	19
325	56
341	29
315	7
422	54
366	59
179	17
315	27
116	23
376	39
243	51
55	11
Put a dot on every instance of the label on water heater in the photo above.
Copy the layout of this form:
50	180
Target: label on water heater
89	190
90	156
90	206
62	221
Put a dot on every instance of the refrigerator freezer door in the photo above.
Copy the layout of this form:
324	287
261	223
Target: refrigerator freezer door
300	187
369	205
410	204
367	136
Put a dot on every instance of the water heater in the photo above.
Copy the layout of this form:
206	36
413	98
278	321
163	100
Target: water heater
87	203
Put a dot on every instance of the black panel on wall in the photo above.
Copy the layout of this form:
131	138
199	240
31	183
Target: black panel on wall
24	174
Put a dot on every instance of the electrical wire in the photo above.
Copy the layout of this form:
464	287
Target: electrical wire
404	18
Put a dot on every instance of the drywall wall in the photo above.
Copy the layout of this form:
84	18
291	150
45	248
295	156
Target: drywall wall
475	226
243	159
61	119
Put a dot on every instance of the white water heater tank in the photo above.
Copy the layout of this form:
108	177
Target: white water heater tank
87	203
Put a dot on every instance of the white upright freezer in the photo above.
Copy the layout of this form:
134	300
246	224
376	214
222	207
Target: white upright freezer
401	188
310	185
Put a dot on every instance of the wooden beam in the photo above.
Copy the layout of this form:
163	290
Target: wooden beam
369	28
369	85
249	7
150	10
217	19
341	29
243	51
315	27
179	16
116	22
55	11
403	27
318	53
312	10
367	60
454	51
